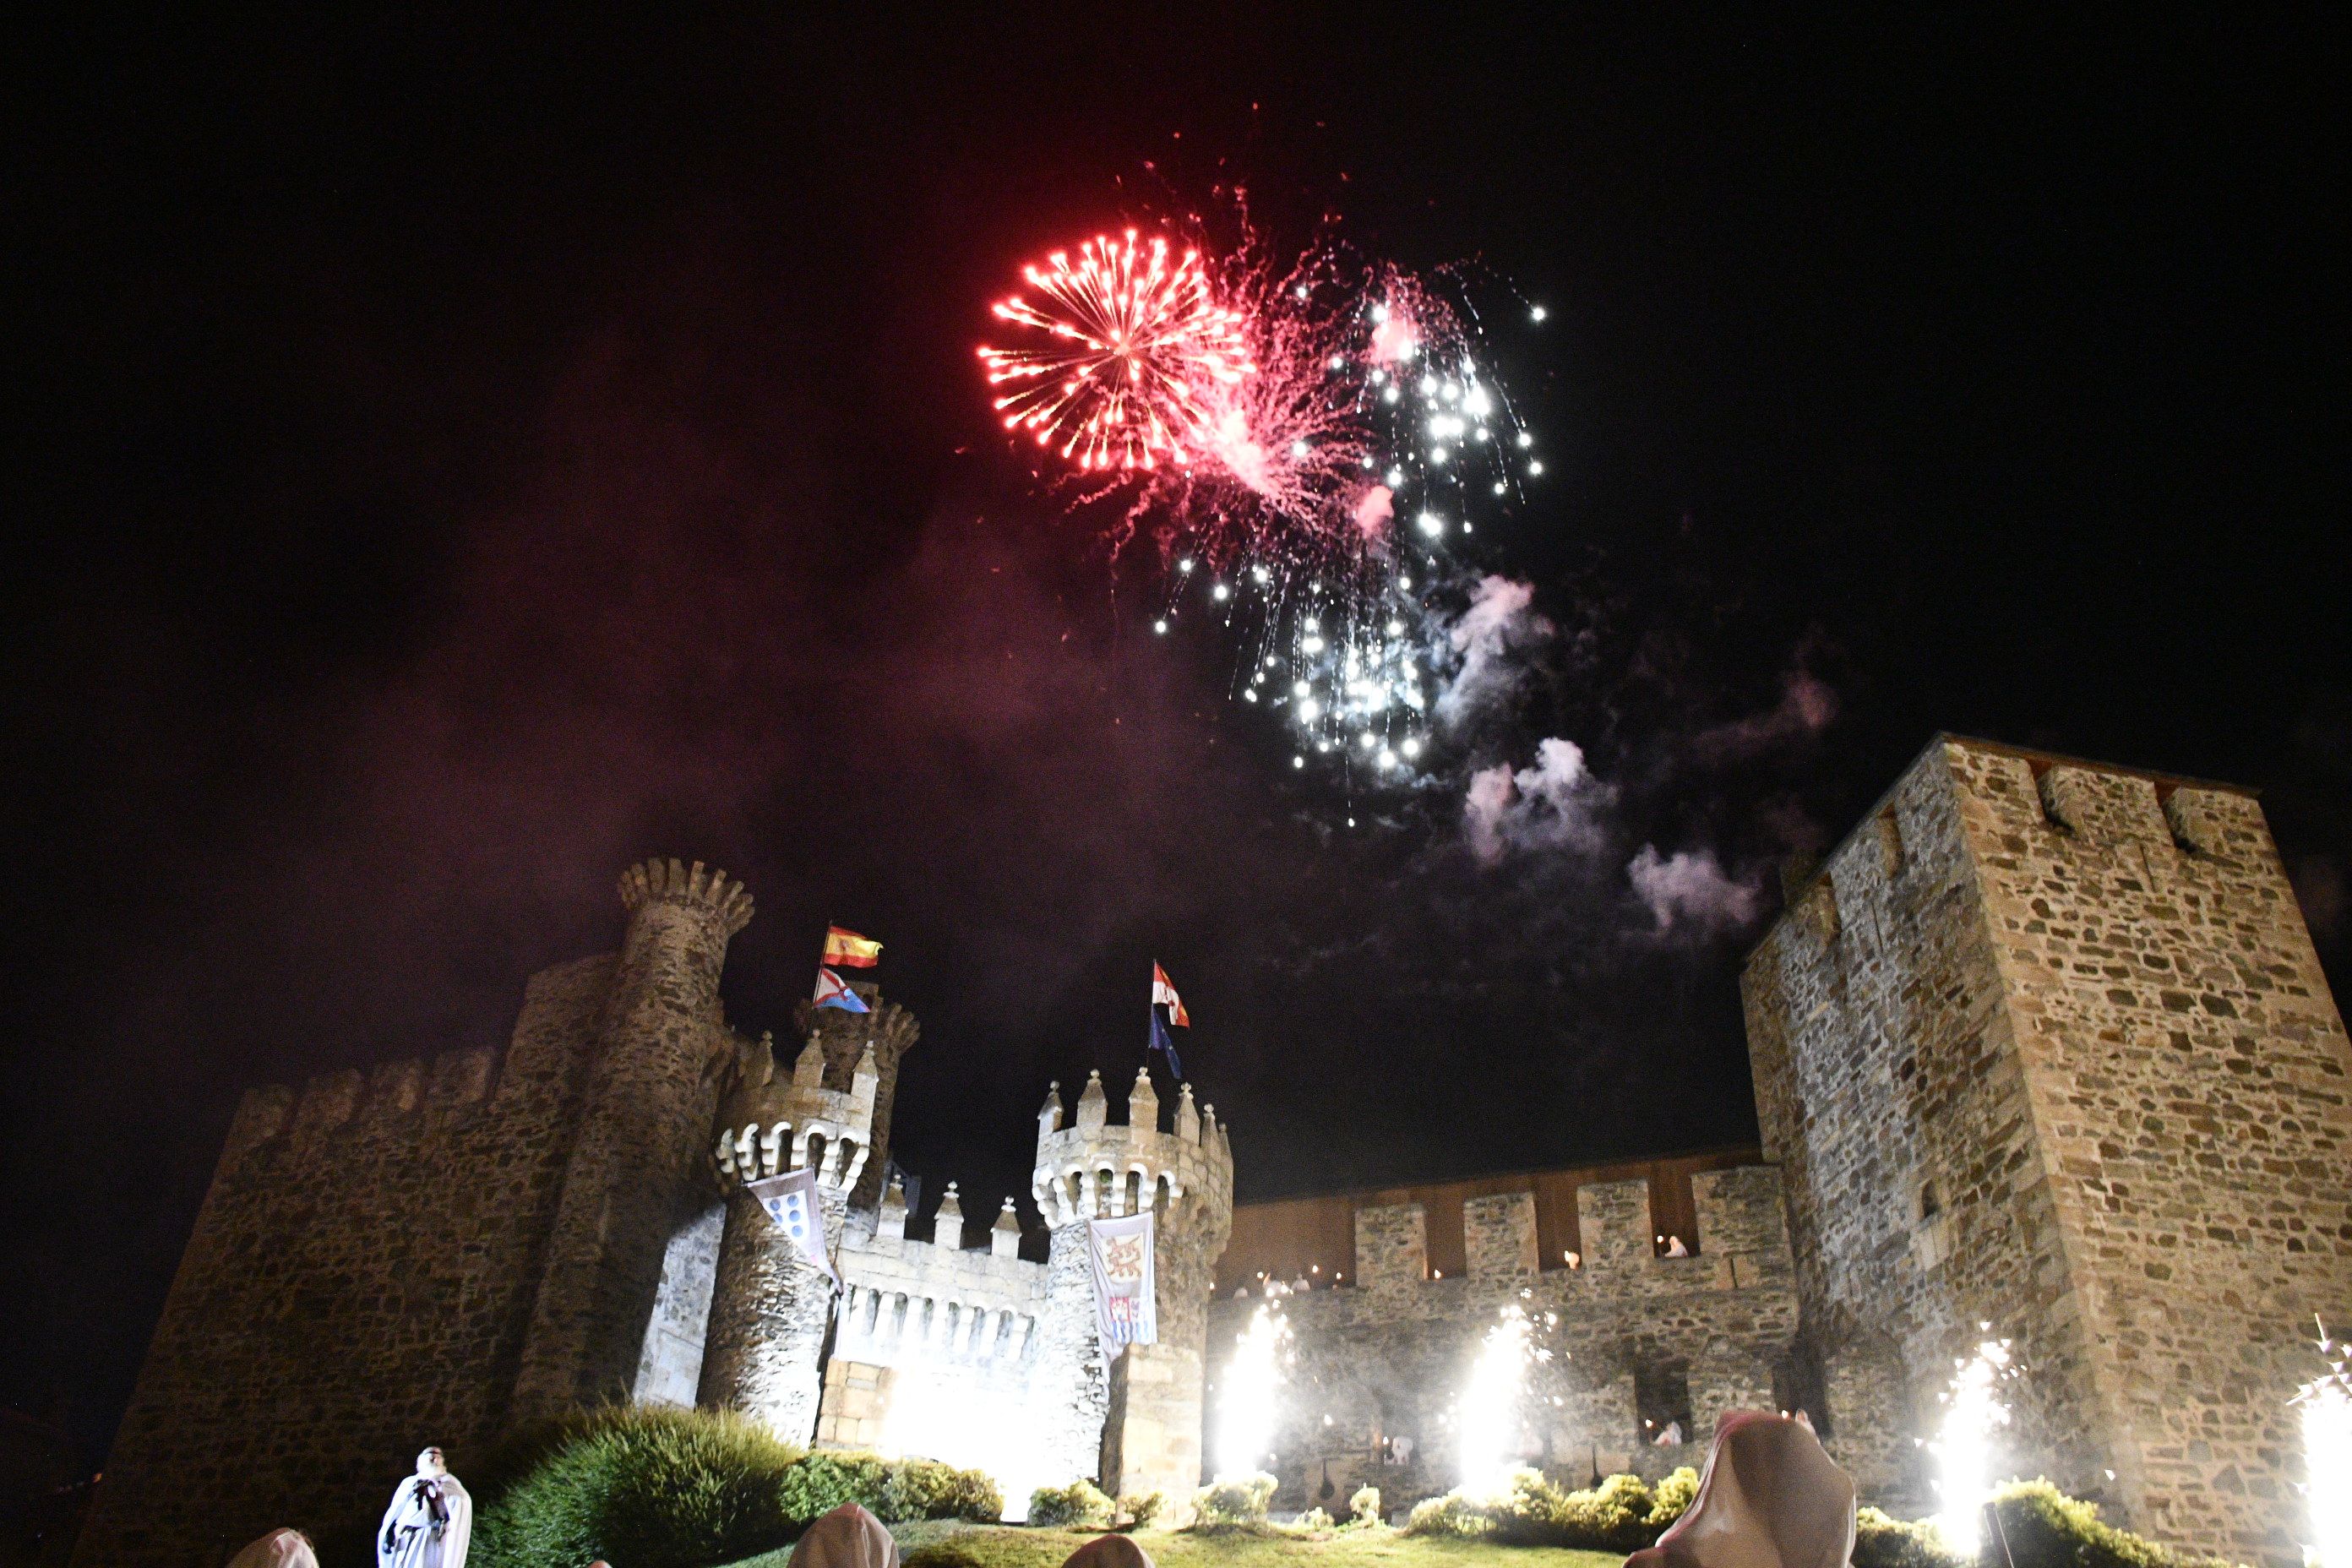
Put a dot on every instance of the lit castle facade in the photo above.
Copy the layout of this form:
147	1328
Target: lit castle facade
2042	1045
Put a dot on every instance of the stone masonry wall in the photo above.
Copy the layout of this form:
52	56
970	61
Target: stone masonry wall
358	1285
2048	1046
1386	1357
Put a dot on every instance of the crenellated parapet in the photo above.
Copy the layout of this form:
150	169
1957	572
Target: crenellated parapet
1096	1168
671	881
772	1122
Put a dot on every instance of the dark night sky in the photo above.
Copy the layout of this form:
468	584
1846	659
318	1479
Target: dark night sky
454	462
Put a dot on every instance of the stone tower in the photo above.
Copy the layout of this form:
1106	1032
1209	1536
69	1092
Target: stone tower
638	1151
1137	1422
2045	1044
770	1309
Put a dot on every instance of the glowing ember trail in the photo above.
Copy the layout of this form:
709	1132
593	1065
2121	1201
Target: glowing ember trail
2326	1409
1486	1419
1309	445
1973	1411
1248	1393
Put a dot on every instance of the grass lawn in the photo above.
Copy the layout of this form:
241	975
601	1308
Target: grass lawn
1011	1546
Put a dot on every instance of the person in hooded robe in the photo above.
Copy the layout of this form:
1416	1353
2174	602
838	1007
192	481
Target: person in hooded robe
848	1537
430	1523
1109	1551
1771	1498
278	1549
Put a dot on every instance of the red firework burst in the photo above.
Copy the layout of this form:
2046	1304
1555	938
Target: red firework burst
1138	349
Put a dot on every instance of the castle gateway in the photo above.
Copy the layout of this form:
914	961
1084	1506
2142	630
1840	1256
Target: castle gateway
2044	1046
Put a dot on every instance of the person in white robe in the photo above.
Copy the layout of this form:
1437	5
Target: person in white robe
430	1523
278	1549
848	1537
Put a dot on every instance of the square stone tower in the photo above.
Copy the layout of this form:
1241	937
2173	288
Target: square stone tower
2045	1045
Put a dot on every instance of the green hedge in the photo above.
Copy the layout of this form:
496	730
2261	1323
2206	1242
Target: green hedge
1081	1505
1230	1501
658	1488
1621	1514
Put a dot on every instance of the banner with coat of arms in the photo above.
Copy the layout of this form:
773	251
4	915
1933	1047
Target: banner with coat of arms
1125	1313
791	1201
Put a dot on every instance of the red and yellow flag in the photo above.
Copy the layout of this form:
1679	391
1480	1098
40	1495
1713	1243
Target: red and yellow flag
847	949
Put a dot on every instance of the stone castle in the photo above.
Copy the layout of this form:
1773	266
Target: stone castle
2042	1046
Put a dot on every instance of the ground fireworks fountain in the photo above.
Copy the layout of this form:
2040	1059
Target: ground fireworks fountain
1487	1418
1249	1395
1309	442
1973	1412
2326	1405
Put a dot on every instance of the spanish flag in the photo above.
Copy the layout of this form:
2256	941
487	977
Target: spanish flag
849	950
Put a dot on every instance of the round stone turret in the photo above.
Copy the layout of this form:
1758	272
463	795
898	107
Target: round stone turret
1138	1417
638	1147
770	1306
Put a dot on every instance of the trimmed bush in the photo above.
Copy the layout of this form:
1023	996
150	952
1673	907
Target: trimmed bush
1451	1515
1314	1520
1364	1507
1141	1508
1081	1505
1227	1502
1672	1498
1881	1541
943	1554
660	1488
1621	1514
2047	1529
655	1488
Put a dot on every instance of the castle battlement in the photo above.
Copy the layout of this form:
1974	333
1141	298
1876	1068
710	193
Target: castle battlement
1099	1167
671	882
909	1302
772	1124
1741	1241
412	1094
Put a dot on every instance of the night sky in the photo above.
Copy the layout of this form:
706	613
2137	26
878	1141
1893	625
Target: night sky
456	461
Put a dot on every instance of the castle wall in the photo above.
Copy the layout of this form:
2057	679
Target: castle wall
2048	1047
670	1369
1633	1337
358	1285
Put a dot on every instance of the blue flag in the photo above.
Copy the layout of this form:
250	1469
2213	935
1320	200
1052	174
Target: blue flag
1161	1042
832	991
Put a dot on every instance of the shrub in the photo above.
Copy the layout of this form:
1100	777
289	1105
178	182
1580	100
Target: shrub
1230	1501
1141	1508
1621	1514
2047	1529
926	1489
656	1488
1452	1515
1314	1519
679	1488
1078	1506
1881	1540
1364	1507
943	1554
1672	1498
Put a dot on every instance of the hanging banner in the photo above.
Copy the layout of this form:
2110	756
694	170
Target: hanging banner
791	1201
1120	1251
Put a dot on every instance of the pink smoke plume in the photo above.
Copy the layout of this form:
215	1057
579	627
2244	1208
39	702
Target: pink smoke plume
1499	619
1690	886
1555	804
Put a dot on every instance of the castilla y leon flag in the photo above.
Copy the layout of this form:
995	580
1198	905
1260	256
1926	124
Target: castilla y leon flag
849	950
1125	1312
832	991
1164	990
791	1201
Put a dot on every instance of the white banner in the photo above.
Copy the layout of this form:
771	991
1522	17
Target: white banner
1125	1312
791	1201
